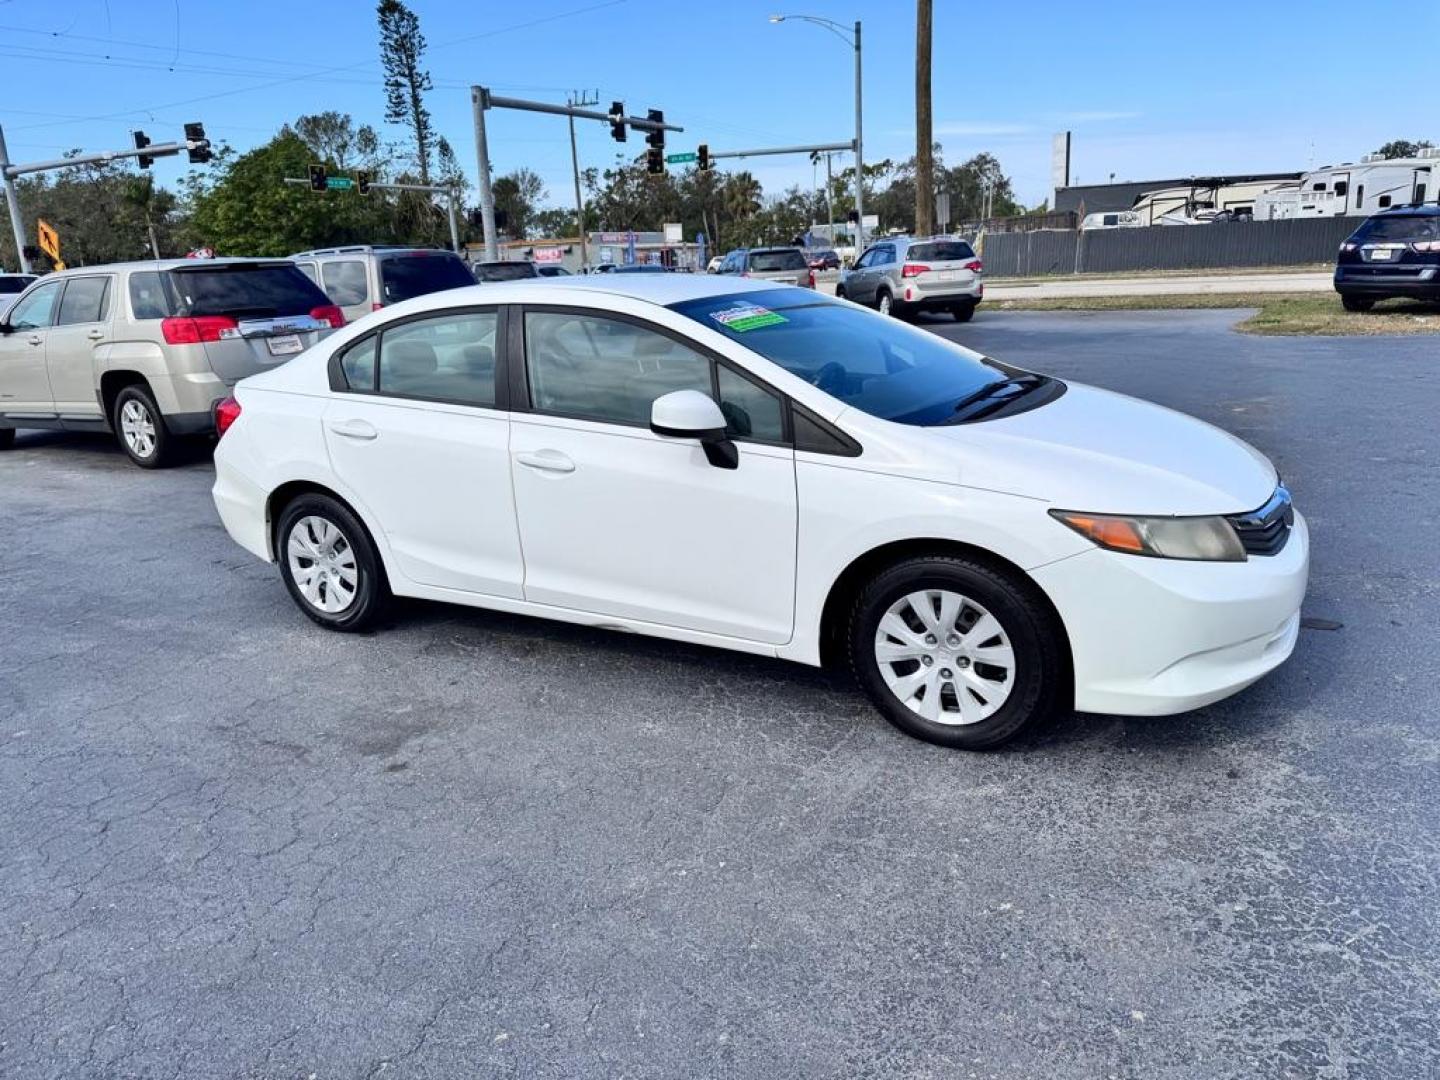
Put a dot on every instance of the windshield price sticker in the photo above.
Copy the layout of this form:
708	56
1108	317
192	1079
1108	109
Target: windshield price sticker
748	317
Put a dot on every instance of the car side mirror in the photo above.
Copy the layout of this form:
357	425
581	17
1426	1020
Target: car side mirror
689	414
6	328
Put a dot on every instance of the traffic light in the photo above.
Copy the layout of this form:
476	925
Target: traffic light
142	141
655	161
200	152
317	178
362	182
617	121
702	158
656	137
853	218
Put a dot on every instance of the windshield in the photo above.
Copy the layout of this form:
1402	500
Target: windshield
878	365
788	259
404	276
1401	227
246	290
508	271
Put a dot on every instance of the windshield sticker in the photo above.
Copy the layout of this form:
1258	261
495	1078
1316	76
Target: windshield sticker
748	317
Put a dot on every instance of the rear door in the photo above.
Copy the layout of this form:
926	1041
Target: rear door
81	328
346	281
24	382
943	266
251	316
860	282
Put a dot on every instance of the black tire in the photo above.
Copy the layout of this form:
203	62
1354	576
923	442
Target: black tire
371	593
1039	668
885	303
161	444
963	312
7	438
839	292
1356	303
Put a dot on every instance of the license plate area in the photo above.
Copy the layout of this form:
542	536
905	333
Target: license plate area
284	344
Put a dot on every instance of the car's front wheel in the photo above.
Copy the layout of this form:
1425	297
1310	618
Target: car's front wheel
141	428
1356	303
884	302
955	652
330	567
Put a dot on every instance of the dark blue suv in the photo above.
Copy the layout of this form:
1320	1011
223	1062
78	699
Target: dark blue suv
1395	253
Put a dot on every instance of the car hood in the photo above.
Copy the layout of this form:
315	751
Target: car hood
1103	452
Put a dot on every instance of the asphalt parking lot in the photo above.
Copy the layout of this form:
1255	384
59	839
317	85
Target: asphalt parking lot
234	845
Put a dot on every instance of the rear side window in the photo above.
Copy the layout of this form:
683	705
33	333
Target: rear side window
148	299
358	365
447	358
763	261
86	300
404	276
956	250
308	269
344	282
245	290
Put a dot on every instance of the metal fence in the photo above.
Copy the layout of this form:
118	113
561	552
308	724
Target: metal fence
1167	247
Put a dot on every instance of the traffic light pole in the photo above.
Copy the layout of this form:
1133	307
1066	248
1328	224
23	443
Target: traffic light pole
481	99
451	195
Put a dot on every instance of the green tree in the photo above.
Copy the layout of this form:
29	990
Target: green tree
1403	148
402	52
518	195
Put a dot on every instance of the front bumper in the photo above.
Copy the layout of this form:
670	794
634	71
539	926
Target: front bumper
1150	637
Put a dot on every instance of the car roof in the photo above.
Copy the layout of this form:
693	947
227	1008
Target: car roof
161	264
1413	210
660	289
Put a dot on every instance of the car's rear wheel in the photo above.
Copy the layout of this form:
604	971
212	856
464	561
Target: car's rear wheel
329	565
955	652
1356	303
963	312
884	302
840	292
140	428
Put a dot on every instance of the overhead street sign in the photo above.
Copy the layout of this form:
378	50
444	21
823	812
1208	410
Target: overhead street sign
679	159
49	239
339	183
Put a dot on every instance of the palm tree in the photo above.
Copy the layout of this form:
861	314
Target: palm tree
740	197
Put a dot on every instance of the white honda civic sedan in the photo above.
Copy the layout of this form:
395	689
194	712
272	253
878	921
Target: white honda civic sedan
766	469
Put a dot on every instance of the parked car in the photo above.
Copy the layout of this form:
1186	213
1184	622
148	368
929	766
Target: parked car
730	463
504	270
640	268
713	266
551	270
782	265
828	259
11	286
148	349
901	275
364	278
1396	253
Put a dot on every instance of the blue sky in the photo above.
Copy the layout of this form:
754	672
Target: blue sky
1149	90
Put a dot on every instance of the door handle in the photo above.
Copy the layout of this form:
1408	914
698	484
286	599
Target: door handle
95	335
354	429
35	339
547	461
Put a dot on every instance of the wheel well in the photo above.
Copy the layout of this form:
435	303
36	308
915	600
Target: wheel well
852	579
112	382
287	493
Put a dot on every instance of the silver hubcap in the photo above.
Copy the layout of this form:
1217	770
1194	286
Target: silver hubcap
322	564
137	428
884	303
945	657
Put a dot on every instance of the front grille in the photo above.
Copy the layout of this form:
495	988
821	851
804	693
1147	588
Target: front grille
1266	530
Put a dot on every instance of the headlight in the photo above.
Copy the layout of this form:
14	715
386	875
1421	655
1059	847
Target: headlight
1206	538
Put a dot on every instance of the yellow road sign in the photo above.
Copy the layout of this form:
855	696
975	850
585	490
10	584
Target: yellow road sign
49	239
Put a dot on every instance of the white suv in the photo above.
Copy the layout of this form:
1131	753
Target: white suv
901	275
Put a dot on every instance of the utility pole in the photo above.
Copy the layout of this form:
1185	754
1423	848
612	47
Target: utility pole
580	100
479	102
195	144
924	128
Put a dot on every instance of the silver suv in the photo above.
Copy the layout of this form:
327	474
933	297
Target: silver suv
147	349
901	275
783	265
365	277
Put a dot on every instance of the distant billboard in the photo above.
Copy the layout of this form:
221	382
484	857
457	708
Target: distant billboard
1060	161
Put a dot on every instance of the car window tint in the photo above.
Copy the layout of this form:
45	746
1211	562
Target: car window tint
147	295
34	311
751	411
605	369
449	358
357	364
84	301
952	250
344	281
766	261
404	276
245	290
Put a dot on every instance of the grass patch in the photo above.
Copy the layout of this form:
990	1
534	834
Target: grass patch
1276	313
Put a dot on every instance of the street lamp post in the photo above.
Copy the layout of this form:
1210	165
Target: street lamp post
851	37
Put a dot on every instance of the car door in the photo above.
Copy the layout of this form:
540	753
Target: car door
81	327
347	283
616	520
24	382
414	430
860	283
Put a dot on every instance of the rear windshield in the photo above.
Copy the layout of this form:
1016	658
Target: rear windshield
1401	227
789	259
404	276
245	290
13	283
941	251
513	271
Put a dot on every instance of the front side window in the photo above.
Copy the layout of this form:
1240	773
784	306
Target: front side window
751	411
35	311
598	368
86	300
447	358
344	281
877	365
